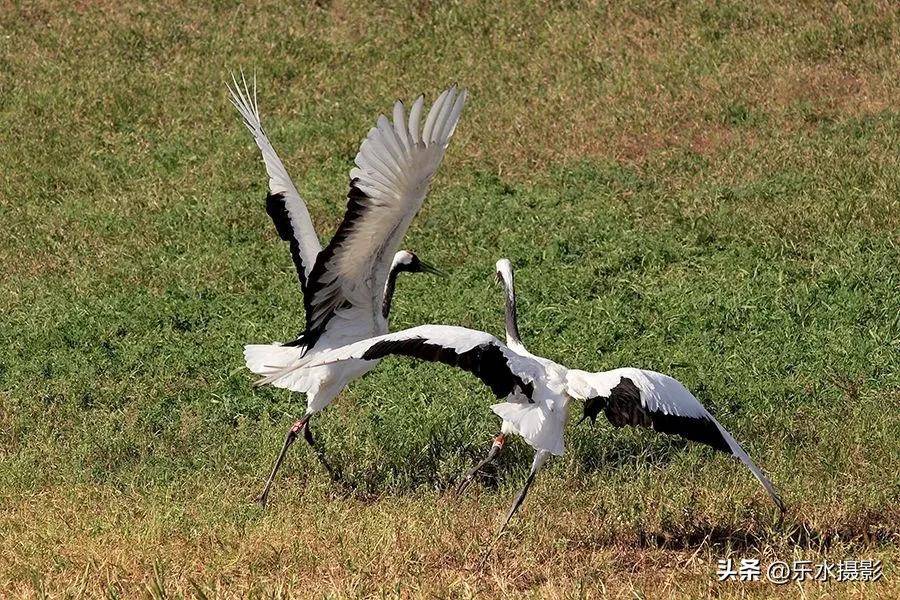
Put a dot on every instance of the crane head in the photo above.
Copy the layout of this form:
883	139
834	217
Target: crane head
505	272
405	260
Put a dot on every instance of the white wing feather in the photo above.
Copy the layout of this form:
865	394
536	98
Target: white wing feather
394	167
665	395
279	181
459	339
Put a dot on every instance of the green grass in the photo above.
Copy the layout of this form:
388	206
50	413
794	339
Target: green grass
707	189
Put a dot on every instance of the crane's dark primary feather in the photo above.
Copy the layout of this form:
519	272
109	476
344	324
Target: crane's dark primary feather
278	212
320	306
623	407
485	361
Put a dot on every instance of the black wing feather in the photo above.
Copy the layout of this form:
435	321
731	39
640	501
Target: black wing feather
623	407
277	210
485	361
315	299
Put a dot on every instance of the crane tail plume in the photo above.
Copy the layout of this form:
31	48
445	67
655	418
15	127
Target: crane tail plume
273	361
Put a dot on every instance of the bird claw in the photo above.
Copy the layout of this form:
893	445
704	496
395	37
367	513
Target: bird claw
469	477
464	484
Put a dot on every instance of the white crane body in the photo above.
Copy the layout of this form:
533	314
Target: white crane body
536	392
348	285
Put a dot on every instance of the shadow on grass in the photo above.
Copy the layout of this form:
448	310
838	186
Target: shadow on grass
863	532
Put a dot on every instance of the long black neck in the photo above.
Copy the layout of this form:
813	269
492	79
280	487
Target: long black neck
389	291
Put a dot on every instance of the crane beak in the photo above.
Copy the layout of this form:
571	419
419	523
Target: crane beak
429	268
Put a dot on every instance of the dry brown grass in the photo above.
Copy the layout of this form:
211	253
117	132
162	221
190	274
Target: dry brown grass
88	541
749	149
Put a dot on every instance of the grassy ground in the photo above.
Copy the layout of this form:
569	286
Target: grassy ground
709	189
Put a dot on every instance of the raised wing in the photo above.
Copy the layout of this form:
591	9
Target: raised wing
284	205
649	399
394	167
477	352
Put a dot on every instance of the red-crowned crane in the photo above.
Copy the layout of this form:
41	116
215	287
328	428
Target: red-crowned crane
348	286
536	391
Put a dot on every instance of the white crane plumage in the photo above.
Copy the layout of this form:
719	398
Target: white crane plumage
506	277
536	392
348	286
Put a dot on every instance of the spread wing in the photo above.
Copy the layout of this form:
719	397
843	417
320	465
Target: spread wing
284	204
476	352
649	399
394	167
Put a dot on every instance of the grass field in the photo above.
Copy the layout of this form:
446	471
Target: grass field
708	189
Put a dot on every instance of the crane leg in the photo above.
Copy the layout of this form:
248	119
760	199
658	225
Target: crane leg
520	497
493	453
320	453
290	438
539	458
